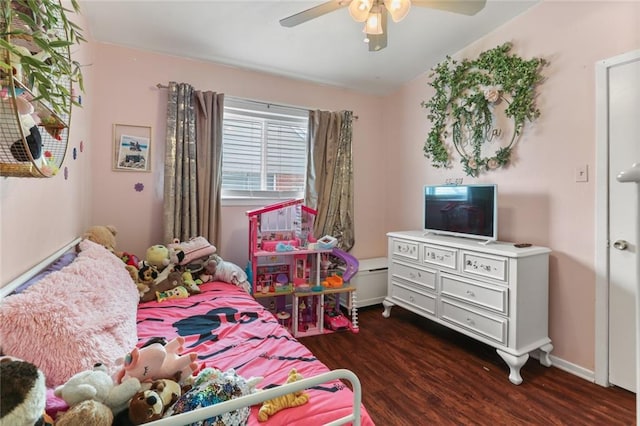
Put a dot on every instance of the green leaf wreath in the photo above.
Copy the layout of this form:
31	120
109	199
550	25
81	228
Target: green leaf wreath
466	93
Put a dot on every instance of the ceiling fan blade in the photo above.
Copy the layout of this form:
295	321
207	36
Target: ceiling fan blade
464	7
314	12
378	42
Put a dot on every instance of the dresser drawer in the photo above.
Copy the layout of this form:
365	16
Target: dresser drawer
476	321
485	265
405	249
440	256
494	297
412	296
423	277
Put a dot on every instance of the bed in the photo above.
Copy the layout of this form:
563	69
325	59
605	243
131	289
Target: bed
90	313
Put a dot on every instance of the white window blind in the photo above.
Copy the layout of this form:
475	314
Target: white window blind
264	150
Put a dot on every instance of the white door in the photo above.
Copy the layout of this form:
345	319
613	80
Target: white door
624	151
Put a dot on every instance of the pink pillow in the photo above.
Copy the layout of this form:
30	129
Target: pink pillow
83	314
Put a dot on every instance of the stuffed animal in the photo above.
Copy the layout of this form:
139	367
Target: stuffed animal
212	386
158	361
157	256
194	249
103	235
164	282
29	129
151	404
295	399
129	258
190	284
97	385
88	412
179	292
229	272
142	286
22	391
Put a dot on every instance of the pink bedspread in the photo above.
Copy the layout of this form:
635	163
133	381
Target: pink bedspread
229	329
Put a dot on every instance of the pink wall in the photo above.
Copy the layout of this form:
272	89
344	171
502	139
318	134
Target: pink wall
126	93
539	200
40	215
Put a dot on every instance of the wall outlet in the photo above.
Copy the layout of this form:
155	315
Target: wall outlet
582	173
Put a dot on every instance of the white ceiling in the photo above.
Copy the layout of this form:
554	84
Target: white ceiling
328	49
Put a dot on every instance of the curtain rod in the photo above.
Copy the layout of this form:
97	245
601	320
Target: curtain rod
163	86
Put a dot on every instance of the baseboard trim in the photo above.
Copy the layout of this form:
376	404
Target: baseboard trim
569	367
573	368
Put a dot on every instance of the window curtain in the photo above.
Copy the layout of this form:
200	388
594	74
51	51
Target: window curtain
329	187
193	155
209	115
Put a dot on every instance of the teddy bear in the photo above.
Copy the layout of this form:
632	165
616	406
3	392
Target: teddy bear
22	391
151	404
164	281
96	384
290	400
88	412
157	361
105	235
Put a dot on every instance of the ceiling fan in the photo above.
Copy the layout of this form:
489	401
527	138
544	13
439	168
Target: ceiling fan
374	14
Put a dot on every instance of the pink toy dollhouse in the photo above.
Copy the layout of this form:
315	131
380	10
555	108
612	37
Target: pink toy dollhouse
285	262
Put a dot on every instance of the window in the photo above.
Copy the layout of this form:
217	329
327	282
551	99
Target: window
264	150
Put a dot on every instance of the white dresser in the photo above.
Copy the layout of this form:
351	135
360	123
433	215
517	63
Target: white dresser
495	293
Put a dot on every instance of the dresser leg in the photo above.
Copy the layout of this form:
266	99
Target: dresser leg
387	308
515	363
545	350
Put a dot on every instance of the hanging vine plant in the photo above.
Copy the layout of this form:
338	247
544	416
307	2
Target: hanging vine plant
465	102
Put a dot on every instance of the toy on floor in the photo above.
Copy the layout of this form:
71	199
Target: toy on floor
158	361
22	391
96	384
294	399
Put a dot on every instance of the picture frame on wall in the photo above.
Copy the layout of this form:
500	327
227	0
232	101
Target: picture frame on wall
131	148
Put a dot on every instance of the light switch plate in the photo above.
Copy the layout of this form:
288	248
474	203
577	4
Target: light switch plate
582	173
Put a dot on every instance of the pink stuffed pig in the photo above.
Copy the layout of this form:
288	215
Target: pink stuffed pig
157	361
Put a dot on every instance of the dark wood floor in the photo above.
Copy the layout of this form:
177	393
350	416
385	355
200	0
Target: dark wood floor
415	372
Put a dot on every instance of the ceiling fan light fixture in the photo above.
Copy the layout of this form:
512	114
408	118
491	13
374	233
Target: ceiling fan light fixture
398	9
359	9
373	24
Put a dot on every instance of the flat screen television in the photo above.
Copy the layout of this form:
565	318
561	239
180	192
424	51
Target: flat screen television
462	210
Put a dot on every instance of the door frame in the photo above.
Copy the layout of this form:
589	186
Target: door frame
601	261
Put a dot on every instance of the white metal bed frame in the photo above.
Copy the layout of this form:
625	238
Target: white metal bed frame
263	395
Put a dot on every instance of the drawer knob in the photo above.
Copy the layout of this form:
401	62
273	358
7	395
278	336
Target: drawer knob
471	293
411	299
470	321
